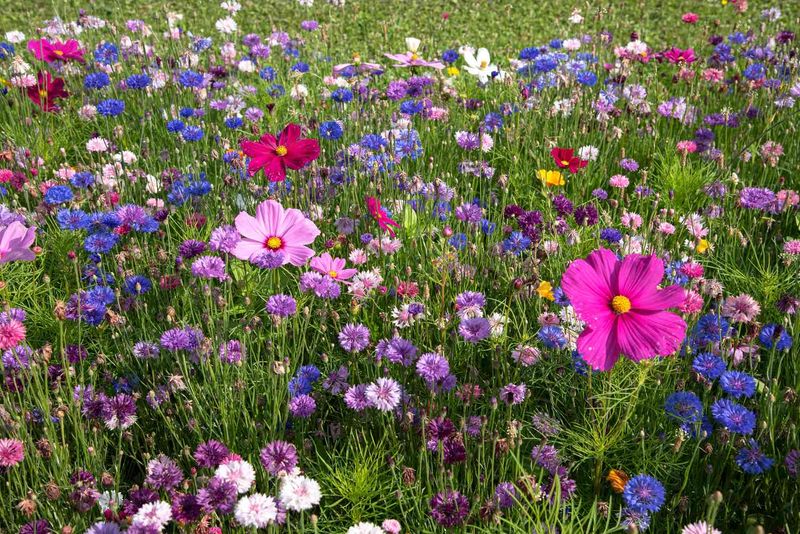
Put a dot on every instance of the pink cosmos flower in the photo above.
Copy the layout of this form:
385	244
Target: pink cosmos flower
676	55
44	50
333	267
275	155
363	68
275	230
412	58
624	311
383	220
15	242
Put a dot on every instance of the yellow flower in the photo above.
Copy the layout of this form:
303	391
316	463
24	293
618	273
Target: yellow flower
550	178
617	479
702	246
545	291
452	71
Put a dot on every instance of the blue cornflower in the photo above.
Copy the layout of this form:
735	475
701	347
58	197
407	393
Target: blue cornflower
276	90
492	121
738	384
186	112
586	77
137	81
100	242
6	49
309	372
579	364
734	416
374	142
137	284
773	335
233	122
410	107
708	365
684	406
72	219
175	126
408	145
300	67
201	44
58	194
342	95
710	328
192	133
111	107
82	180
299	385
754	72
516	243
529	53
190	78
458	241
106	54
331	130
450	56
267	73
96	80
644	494
560	297
487	227
611	235
752	460
545	63
552	337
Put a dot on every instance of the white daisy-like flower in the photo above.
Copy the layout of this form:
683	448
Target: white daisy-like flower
155	514
299	493
239	472
256	511
226	25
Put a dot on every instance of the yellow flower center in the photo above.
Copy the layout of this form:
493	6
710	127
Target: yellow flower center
414	56
483	64
281	150
58	52
333	274
274	243
621	304
43	93
564	162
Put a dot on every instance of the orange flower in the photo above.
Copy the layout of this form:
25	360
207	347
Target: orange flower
617	478
550	178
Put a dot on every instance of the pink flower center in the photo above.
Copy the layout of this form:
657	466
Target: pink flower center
273	243
621	304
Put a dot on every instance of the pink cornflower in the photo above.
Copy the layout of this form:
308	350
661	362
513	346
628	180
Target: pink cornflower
383	394
686	147
631	220
692	269
619	181
11	452
692	302
624	311
771	153
666	228
792	247
741	308
275	230
713	75
45	50
15	243
12	333
333	267
690	18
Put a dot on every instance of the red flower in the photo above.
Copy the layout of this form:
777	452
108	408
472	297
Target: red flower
383	220
275	155
565	159
46	90
44	50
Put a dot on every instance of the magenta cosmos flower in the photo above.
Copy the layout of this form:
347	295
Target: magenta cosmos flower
275	230
276	154
44	50
15	242
333	267
623	308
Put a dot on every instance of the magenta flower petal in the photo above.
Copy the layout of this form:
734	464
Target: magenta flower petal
597	346
639	276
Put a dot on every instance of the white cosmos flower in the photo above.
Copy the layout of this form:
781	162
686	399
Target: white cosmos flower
256	511
480	64
299	493
239	472
412	44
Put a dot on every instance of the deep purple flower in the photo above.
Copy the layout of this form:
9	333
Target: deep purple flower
354	337
219	495
449	508
163	473
279	457
474	329
210	454
281	305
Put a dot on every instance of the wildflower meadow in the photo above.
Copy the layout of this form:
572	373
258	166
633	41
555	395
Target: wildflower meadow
373	267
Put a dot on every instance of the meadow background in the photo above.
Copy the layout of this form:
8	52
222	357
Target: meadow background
372	466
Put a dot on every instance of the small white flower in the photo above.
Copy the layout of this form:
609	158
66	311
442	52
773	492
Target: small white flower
226	25
365	528
15	37
239	472
256	511
299	493
156	514
480	64
588	153
299	92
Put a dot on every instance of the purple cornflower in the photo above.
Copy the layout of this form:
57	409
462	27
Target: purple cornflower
432	367
468	140
84	494
470	213
209	267
185	508
505	493
279	458
119	411
546	456
356	397
757	198
397	350
474	329
267	260
354	337
219	495
163	473
449	508
191	248
629	165
383	394
224	239
231	351
146	350
513	393
792	462
336	382
210	454
186	338
281	305
302	406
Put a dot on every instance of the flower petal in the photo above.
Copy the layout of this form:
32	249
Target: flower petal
597	345
302	152
639	276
